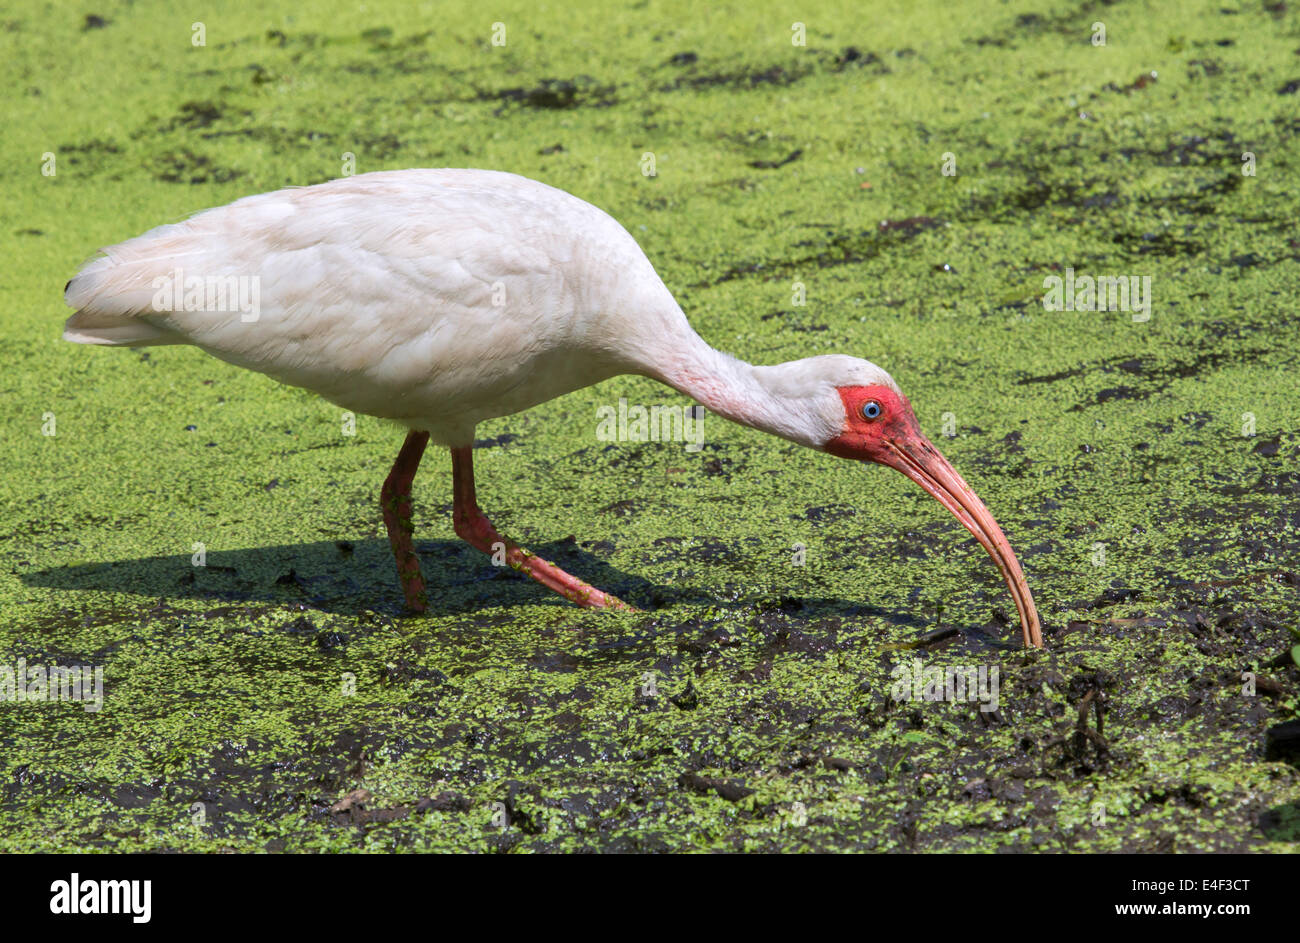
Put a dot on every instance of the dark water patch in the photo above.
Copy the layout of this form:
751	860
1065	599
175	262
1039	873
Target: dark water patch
1267	447
583	91
1204	68
853	58
1202	201
1163	244
1141	82
505	438
193	115
1040	185
1215	148
184	166
1161	374
624	508
910	226
379	146
1116	393
1028	198
837	249
1074	24
93	151
774	164
1282	823
797	325
1053	377
1282	742
849	61
830	513
731	790
776	75
1281	483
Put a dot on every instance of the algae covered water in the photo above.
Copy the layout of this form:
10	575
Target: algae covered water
1073	247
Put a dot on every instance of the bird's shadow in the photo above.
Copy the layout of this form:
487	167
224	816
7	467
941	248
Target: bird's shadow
351	577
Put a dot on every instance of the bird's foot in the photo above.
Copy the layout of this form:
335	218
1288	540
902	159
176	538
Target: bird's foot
562	582
473	526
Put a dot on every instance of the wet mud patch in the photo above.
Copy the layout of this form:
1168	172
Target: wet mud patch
833	250
185	166
558	94
850	60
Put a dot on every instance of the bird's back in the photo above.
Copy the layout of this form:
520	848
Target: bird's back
435	297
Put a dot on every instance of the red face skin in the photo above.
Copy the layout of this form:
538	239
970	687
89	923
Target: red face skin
880	427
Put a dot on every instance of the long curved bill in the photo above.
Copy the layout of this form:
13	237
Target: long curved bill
916	458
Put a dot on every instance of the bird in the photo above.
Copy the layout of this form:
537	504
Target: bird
443	298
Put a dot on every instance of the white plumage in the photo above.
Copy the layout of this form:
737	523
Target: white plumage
443	298
436	298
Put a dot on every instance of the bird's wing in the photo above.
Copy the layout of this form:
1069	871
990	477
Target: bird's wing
377	283
423	241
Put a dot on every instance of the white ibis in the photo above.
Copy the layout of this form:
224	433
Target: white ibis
443	298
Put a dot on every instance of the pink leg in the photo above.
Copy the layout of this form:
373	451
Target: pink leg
473	526
395	499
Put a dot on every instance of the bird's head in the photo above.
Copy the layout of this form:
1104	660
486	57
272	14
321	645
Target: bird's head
876	424
854	409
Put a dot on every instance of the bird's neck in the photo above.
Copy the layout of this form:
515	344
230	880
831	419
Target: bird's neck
766	398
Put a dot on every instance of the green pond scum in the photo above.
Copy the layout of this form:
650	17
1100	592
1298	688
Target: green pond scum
902	185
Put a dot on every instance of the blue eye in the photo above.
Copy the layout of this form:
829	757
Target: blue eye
870	409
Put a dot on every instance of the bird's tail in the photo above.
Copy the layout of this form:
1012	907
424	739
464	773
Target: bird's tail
115	293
